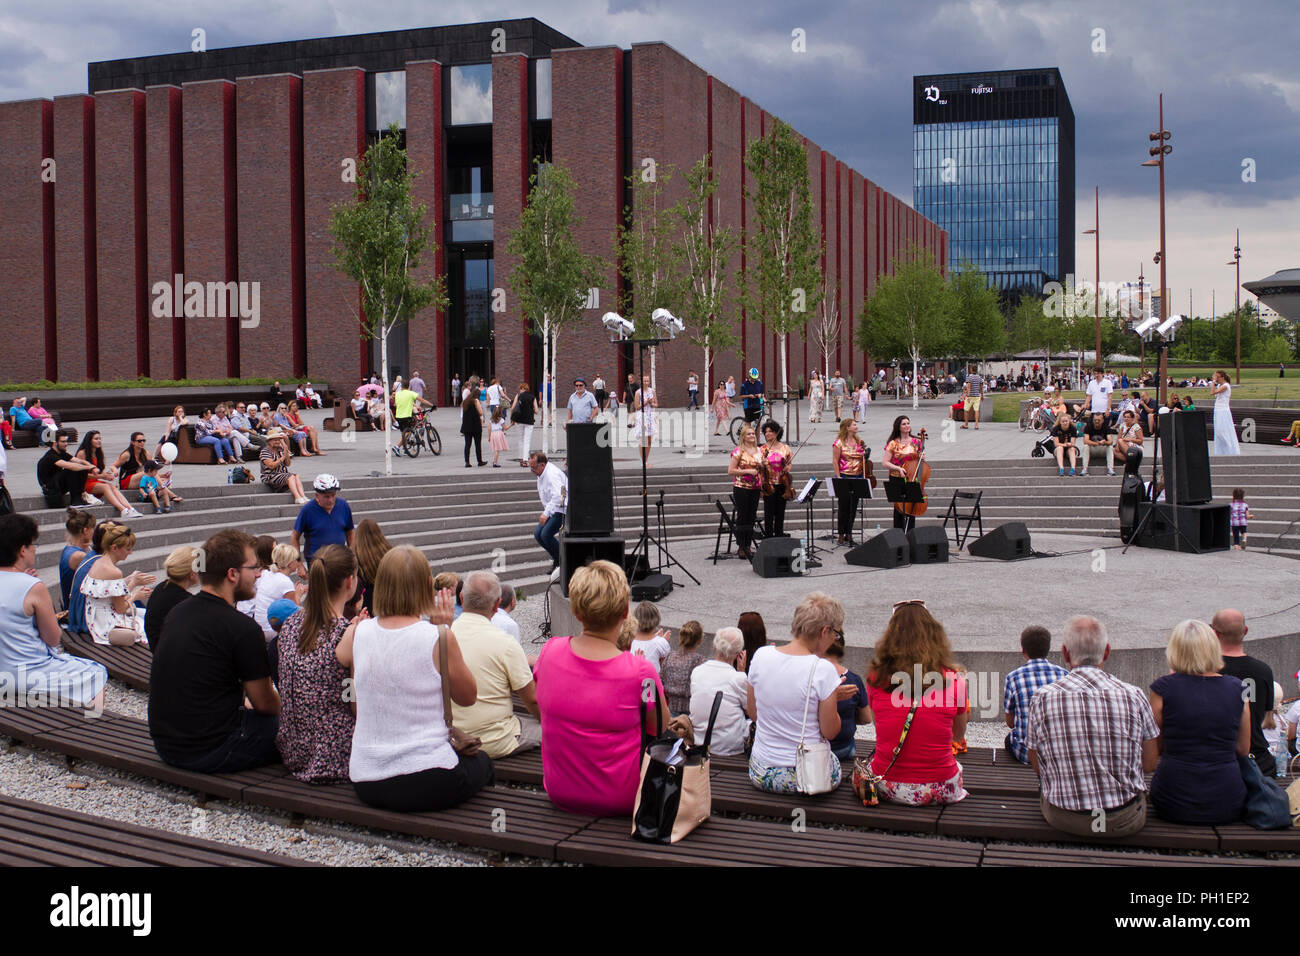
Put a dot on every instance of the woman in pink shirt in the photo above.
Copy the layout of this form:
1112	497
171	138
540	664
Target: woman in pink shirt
913	660
590	695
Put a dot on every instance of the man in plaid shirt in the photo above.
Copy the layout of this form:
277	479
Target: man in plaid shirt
1091	737
1021	684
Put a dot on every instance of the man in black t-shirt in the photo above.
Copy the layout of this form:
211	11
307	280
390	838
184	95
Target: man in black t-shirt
1098	433
60	474
1230	627
209	658
1063	444
752	393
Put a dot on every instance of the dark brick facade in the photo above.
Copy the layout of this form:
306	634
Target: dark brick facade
232	175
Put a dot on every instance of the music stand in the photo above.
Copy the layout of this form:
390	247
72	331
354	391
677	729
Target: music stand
806	498
900	491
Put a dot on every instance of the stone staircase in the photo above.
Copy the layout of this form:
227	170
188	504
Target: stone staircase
488	522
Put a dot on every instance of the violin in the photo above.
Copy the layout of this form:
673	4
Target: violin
786	480
918	471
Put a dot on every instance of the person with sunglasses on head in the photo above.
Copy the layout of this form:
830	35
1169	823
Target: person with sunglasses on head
917	699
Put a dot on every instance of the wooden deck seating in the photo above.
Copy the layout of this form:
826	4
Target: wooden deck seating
35	834
130	665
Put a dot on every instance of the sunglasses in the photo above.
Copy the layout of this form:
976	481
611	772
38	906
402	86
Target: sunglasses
917	601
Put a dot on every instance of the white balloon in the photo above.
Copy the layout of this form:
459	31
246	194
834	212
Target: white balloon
170	451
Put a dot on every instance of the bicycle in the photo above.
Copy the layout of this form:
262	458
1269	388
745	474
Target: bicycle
421	434
734	430
1032	416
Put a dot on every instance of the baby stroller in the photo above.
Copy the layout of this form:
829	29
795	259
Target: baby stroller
1042	446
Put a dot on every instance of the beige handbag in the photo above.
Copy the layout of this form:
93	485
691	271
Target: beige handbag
1293	794
674	796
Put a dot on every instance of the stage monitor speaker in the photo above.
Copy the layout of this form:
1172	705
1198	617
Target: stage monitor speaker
928	544
1204	526
889	549
1131	495
776	557
652	587
576	552
1185	458
591	480
1006	542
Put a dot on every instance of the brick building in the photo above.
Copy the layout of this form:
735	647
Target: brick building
221	167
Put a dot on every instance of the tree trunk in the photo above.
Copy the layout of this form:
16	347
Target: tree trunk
546	399
383	361
555	390
708	399
785	377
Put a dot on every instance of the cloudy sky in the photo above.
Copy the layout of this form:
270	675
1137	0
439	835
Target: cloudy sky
1230	74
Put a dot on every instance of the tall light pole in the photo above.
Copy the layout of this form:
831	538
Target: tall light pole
1095	232
1160	151
1236	298
1142	314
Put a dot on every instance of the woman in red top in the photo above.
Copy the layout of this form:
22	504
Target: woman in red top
913	657
746	470
847	455
299	425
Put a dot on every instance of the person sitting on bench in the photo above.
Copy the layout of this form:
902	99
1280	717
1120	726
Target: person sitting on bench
1098	433
210	658
1023	683
1063	442
1091	737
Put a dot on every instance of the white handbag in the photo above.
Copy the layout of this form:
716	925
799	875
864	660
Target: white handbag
812	762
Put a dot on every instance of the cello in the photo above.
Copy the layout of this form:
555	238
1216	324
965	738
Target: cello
918	472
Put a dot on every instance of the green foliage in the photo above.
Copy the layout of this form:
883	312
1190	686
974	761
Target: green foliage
783	251
1225	337
910	313
553	275
649	253
45	385
381	238
978	327
1020	322
706	252
1271	350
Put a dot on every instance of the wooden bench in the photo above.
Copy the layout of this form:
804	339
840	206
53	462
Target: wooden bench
1271	424
190	452
131	665
27	439
726	842
36	834
1036	856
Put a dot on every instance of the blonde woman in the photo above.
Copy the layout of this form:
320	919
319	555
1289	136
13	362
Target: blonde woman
111	614
181	567
276	582
746	471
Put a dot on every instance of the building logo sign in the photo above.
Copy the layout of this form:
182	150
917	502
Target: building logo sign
981	89
932	96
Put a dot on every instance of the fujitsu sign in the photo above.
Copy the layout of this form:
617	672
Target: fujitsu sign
981	89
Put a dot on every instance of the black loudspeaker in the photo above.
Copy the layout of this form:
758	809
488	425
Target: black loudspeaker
1204	526
1185	458
575	552
1006	542
889	549
652	587
591	481
1132	494
928	545
775	557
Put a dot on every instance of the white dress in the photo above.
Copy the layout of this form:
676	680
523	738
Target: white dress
647	396
1225	434
100	615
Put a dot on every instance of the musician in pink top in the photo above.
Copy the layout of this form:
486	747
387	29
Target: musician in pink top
590	695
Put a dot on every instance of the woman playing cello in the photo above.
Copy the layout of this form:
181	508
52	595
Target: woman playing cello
904	458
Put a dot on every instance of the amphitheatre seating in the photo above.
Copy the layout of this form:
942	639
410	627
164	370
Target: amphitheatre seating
1271	424
26	439
35	834
130	665
190	452
103	404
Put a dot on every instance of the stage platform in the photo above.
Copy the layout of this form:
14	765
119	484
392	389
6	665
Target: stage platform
985	603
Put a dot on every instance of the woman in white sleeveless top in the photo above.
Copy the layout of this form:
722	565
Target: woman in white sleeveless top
1225	431
402	757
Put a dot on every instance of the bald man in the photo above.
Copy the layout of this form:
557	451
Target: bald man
1230	627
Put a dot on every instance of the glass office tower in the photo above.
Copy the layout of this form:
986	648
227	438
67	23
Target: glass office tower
994	165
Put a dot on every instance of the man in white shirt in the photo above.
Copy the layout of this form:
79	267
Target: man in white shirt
731	729
1099	392
582	404
499	668
502	618
553	490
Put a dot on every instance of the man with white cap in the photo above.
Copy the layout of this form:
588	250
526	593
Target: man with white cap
326	520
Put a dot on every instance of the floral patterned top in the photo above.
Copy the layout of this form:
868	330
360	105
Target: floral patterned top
101	617
676	675
316	719
747	459
203	427
851	455
900	452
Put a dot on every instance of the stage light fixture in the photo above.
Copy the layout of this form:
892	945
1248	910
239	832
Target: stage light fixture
667	322
619	328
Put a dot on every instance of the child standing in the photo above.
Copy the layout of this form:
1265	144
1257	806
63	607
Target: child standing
497	440
1239	514
864	399
150	490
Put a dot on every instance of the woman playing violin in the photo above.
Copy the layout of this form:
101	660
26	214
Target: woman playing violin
746	470
777	483
901	456
847	456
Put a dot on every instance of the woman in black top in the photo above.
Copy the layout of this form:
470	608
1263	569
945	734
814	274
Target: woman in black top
181	576
130	464
1063	441
471	423
524	412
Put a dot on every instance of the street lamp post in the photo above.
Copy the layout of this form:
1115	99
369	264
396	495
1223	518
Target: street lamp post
1160	151
1236	298
1095	232
1142	314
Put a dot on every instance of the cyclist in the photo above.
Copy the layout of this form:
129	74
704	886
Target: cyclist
405	401
752	394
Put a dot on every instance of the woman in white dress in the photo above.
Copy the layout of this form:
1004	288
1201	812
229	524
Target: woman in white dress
643	416
1225	432
816	396
111	614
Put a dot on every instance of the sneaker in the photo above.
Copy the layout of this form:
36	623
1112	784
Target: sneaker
555	574
1083	473
1287	440
1110	472
131	513
495	465
91	500
1060	473
1071	472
